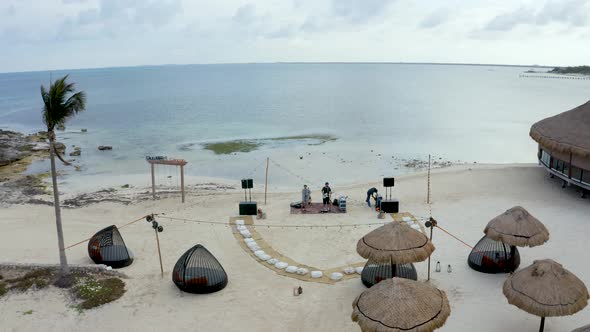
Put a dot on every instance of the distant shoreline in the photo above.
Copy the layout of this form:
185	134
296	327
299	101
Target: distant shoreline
282	63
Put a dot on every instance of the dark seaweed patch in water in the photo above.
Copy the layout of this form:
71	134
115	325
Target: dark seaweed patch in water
248	145
232	146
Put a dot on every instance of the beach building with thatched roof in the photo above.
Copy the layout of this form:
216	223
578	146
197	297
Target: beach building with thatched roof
564	145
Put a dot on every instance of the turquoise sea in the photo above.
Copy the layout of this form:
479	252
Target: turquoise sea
381	115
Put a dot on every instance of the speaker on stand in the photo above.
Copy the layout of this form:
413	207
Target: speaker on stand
389	205
247	207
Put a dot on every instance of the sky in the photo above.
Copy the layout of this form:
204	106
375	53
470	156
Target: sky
69	34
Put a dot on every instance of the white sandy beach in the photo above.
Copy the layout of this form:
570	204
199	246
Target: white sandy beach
464	198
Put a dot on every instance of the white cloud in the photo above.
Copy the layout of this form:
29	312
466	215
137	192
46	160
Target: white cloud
43	34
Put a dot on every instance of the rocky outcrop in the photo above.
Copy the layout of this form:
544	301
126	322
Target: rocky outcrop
16	146
13	147
105	147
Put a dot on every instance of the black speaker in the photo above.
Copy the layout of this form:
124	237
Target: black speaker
388	182
248	209
390	206
247	184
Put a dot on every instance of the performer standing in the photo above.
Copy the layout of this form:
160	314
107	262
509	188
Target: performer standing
326	192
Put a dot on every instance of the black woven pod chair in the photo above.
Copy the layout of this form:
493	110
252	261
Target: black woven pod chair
373	272
107	247
198	271
489	256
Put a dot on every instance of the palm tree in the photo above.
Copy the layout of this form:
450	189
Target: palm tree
58	108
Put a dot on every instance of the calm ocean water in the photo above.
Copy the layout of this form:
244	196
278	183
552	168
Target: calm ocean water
467	113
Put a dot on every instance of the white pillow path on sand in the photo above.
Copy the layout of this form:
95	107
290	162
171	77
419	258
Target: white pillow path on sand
336	276
261	254
281	265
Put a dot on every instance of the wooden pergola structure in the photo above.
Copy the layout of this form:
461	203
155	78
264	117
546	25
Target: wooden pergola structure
172	162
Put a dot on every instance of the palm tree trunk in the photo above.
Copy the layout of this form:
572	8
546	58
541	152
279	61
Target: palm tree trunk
63	262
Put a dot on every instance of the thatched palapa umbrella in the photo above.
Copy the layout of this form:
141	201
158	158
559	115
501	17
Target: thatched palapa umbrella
395	243
397	304
517	227
585	328
546	289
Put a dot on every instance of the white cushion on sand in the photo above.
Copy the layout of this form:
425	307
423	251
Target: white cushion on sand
246	233
239	222
349	270
272	261
291	269
281	265
265	257
416	227
255	248
406	219
259	253
336	276
317	274
359	270
242	228
251	244
248	240
302	271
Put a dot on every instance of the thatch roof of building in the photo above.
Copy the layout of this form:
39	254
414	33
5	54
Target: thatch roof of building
568	132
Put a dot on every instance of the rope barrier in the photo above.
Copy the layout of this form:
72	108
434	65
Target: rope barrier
125	225
291	173
453	236
274	226
256	168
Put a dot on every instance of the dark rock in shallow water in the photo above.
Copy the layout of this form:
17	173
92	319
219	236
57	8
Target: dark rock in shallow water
105	147
75	153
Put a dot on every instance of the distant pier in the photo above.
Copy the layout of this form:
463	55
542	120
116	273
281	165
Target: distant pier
561	77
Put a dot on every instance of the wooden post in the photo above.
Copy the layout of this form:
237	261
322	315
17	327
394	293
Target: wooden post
182	181
159	253
569	171
431	227
432	224
266	181
428	192
153	183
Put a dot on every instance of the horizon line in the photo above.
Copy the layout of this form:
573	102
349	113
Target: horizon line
290	62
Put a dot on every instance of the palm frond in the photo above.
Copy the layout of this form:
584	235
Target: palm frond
58	107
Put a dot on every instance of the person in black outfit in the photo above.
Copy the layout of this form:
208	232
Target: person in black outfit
326	192
371	193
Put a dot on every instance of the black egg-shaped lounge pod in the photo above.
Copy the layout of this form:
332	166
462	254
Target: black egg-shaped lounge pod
490	256
374	272
107	247
199	272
